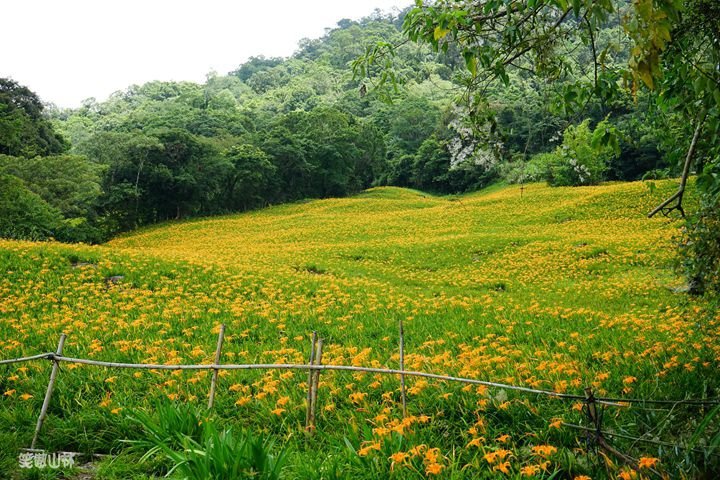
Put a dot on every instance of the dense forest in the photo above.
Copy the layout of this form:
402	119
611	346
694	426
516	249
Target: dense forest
278	130
315	125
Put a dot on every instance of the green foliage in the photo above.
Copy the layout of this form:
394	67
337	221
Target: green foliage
250	178
582	159
24	129
57	194
168	425
24	214
69	183
700	251
197	450
411	122
315	153
255	65
518	170
430	167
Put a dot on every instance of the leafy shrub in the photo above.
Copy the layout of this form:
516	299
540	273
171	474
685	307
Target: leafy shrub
582	159
519	170
81	230
579	162
70	183
542	165
170	423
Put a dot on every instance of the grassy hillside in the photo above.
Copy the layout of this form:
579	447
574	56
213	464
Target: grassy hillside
551	288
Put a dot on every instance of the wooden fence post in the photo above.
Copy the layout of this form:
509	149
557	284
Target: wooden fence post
49	391
313	343
402	368
315	384
218	349
592	412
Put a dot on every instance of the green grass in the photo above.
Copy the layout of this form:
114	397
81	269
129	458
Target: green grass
555	288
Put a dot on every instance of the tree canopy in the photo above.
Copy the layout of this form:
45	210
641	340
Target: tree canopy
24	130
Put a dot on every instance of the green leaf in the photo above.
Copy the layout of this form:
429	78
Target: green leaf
644	9
700	430
440	33
576	7
470	62
643	71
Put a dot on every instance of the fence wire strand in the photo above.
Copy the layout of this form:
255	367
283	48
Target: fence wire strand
639	439
610	401
25	359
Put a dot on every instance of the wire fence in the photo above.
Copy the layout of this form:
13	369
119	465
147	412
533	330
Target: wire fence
314	367
637	439
618	402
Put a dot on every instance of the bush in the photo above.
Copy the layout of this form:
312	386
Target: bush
543	165
23	214
579	163
582	159
81	230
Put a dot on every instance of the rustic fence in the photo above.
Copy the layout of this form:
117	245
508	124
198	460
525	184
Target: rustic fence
593	406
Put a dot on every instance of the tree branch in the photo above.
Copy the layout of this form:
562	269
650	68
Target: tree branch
594	52
523	51
678	196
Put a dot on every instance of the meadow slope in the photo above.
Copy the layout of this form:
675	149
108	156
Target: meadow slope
553	288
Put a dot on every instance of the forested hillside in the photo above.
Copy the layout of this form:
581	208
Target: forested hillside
533	139
278	130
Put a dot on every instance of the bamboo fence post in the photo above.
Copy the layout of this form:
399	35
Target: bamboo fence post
315	384
402	369
592	411
313	343
213	383
49	391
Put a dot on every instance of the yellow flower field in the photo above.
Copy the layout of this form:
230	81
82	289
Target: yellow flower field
550	288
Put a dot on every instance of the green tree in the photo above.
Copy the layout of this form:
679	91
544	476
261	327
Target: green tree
431	166
411	121
315	152
371	161
250	178
69	183
23	214
581	162
674	51
24	129
183	178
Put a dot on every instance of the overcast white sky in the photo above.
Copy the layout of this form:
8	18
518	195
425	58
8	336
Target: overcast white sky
69	50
